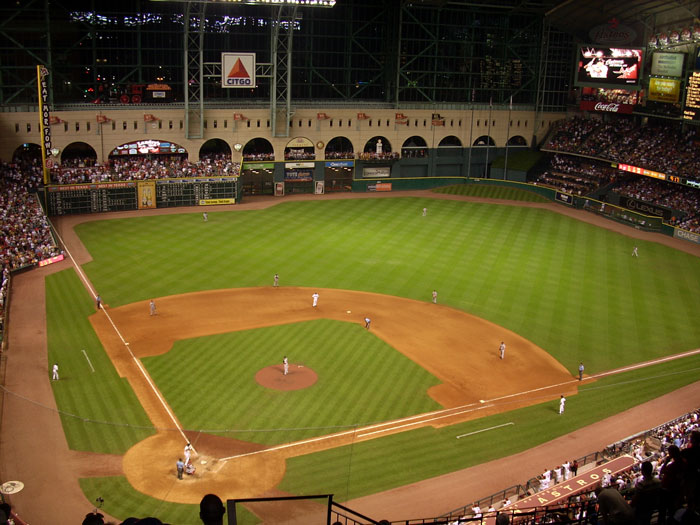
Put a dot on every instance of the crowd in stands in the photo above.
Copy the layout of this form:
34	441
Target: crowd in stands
373	155
576	175
299	154
258	157
674	196
340	155
143	168
658	147
25	235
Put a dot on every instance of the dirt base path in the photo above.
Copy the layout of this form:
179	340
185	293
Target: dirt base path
33	448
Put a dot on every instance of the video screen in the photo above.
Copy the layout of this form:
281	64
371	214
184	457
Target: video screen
609	67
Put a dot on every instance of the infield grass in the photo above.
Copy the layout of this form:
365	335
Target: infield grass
355	370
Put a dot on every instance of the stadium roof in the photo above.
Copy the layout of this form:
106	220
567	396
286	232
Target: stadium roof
577	17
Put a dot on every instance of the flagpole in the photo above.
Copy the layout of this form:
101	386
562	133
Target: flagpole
510	108
488	140
471	144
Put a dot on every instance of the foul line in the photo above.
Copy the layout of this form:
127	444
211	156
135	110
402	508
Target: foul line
88	360
485	429
88	285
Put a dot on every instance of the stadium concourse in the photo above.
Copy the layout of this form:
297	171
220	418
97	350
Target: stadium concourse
47	454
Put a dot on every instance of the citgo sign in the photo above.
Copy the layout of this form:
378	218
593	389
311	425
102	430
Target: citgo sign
238	70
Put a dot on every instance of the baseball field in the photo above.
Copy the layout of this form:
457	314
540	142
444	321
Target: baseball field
361	410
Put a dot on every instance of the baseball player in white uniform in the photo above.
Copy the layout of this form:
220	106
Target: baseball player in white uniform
367	322
152	306
54	372
502	350
434	296
188	451
315	298
285	364
562	402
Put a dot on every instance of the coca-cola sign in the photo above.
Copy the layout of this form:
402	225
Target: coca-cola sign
608	107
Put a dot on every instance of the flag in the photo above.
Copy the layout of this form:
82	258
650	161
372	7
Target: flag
54	120
102	118
400	116
362	116
322	116
239	116
148	117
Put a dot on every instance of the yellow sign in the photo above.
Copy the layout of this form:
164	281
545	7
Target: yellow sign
147	194
214	202
664	90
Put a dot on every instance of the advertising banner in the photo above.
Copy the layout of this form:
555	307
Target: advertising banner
664	90
377	172
607	107
146	194
646	208
238	70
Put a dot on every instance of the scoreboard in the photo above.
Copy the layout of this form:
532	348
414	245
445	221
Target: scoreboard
691	111
91	198
133	195
191	192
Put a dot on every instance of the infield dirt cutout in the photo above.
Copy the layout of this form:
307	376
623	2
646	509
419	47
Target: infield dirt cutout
459	349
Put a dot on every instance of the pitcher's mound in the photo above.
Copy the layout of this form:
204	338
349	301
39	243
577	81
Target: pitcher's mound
298	377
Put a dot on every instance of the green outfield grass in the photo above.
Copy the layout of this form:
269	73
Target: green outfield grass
493	191
355	369
570	287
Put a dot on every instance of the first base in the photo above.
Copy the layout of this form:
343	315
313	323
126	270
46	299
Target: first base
349	311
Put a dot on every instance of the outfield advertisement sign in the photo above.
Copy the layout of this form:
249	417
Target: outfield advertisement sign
214	202
375	173
238	70
646	208
686	235
564	197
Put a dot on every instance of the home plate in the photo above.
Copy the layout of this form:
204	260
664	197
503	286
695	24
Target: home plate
203	462
349	311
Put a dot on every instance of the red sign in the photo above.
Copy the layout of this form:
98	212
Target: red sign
580	483
609	107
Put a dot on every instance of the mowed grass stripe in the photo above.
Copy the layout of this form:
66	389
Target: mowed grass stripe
352	377
492	192
88	400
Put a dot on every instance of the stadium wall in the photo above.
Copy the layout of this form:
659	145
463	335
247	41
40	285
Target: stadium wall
319	125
